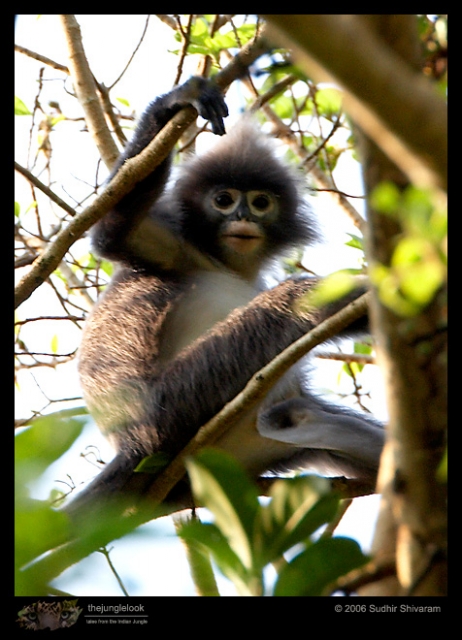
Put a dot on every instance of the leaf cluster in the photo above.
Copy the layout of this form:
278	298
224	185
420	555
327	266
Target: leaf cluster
202	43
418	265
247	536
39	527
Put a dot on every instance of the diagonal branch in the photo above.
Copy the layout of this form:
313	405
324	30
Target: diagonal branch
256	389
376	79
117	520
128	175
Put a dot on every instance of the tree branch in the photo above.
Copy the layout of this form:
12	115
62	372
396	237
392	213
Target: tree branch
46	190
412	352
285	132
40	58
129	174
256	389
113	523
85	88
400	110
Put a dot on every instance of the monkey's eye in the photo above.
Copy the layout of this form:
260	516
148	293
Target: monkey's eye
226	201
260	202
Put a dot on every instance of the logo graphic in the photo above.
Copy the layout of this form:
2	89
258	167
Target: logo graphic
49	615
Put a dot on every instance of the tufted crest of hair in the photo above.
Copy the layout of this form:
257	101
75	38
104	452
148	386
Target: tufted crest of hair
246	159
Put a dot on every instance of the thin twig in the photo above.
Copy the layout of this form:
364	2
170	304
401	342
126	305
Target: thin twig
185	35
40	58
46	190
121	74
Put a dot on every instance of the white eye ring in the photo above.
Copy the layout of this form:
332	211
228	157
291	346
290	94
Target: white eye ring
260	202
226	200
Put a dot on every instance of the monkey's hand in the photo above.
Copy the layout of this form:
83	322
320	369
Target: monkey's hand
207	98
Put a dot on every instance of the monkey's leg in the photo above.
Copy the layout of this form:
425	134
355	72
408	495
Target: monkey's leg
308	423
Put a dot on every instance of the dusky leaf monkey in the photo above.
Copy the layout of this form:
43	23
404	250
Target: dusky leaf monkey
182	327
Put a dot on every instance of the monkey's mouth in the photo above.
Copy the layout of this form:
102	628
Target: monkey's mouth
242	237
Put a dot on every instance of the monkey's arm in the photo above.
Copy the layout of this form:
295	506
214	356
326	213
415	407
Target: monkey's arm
113	234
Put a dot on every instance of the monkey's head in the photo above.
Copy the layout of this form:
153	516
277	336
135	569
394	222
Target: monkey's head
241	204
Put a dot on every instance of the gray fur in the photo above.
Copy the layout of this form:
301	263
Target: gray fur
182	328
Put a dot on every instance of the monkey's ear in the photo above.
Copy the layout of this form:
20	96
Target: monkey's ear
209	102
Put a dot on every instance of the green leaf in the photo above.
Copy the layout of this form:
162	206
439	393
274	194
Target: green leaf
420	282
38	527
298	507
20	108
54	343
50	528
352	369
200	561
386	198
57	119
199	31
313	570
328	101
199	49
410	250
154	463
388	285
107	267
331	288
224	488
362	348
46	440
417	208
224	40
210	536
442	471
246	32
356	242
419	269
123	101
283	106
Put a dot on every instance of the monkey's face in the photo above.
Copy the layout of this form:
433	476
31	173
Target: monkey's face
242	228
237	226
241	218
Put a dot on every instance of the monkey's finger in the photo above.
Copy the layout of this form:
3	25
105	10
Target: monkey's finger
208	100
213	107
